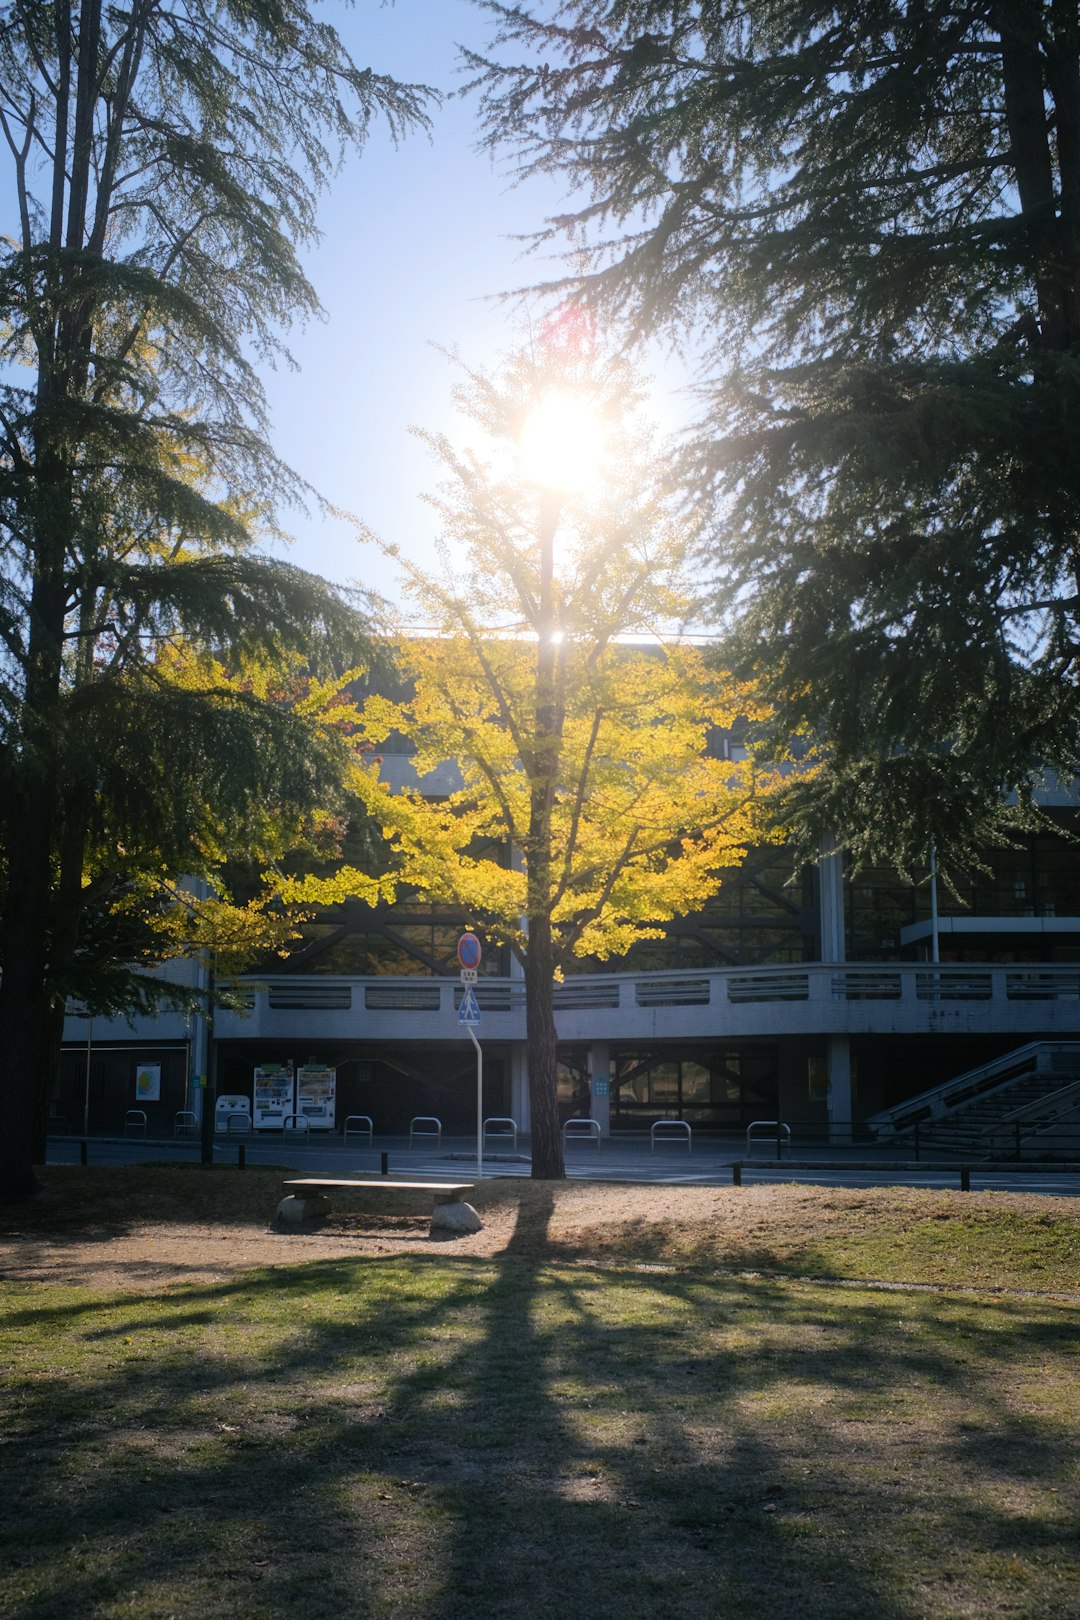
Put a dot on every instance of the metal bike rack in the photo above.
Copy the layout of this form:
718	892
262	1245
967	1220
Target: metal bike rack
777	1131
425	1125
356	1125
582	1130
507	1128
679	1127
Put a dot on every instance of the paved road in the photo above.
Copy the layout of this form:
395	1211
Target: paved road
710	1165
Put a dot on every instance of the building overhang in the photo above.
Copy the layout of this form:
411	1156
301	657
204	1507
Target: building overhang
917	933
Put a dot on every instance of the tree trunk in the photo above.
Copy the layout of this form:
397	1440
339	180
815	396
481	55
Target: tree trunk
547	1146
19	1066
24	1001
26	940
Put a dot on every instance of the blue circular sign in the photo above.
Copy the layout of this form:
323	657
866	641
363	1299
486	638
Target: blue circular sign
469	951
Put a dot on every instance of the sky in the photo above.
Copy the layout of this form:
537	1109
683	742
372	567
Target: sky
417	245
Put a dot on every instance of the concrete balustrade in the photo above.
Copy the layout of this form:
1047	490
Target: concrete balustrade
815	998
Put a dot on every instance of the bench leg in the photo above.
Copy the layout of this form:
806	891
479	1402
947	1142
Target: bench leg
294	1211
452	1215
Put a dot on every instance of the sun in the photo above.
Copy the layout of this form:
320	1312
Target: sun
561	443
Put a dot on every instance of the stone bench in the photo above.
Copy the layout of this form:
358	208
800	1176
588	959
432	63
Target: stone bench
305	1200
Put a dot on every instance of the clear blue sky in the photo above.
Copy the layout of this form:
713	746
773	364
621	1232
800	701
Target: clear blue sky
415	241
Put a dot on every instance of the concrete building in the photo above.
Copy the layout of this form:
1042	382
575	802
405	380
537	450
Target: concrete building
810	997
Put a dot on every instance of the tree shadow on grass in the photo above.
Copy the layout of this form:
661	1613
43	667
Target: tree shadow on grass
445	1437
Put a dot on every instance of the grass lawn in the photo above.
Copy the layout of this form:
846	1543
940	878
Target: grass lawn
535	1433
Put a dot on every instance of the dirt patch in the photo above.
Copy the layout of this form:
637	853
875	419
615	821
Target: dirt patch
148	1227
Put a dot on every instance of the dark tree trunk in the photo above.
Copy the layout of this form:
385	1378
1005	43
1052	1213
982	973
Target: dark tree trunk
26	942
547	1147
19	1066
24	1002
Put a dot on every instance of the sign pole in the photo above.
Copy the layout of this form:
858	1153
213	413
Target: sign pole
469	951
479	1103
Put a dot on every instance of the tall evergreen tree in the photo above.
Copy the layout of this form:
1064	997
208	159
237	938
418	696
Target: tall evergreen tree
863	219
164	162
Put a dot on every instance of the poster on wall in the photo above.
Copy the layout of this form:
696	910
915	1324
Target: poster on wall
148	1082
316	1091
273	1096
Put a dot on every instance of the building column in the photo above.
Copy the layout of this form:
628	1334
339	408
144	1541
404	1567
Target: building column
831	890
841	1093
600	1085
519	1086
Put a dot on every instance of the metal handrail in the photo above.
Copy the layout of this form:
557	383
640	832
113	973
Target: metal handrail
135	1120
937	1102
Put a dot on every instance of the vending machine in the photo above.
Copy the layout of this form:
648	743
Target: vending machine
316	1091
273	1101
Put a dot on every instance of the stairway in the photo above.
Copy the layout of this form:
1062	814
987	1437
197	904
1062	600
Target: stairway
988	1109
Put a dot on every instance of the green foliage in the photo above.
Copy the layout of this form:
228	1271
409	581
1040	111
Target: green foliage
863	220
164	164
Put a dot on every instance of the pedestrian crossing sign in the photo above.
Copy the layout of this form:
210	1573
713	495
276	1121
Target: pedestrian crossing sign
469	1011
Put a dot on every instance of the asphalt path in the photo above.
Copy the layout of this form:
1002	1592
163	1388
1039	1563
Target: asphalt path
621	1161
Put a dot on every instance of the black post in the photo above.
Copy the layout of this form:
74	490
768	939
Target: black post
916	1141
82	1151
241	1155
384	1164
965	1178
736	1173
1016	1128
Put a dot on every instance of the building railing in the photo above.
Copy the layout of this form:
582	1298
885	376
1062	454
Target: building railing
1019	1002
901	982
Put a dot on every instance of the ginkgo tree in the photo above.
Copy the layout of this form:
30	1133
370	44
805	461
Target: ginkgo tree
551	670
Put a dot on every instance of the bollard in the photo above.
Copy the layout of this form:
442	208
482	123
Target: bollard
965	1178
736	1173
82	1151
384	1164
916	1141
241	1155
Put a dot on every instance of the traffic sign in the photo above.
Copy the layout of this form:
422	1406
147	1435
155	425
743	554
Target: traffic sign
469	1011
469	975
469	951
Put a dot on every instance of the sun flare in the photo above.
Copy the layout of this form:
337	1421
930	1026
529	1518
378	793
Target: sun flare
562	443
